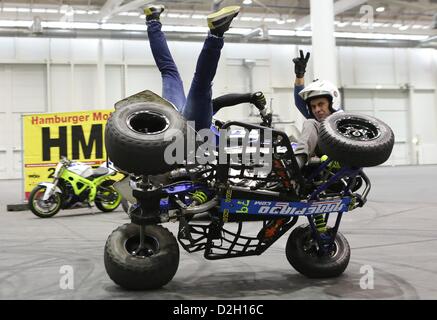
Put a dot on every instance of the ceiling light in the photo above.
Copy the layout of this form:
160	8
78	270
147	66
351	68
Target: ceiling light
173	15
380	9
23	10
342	24
403	28
280	21
247	2
188	29
15	23
380	36
10	9
270	19
386	25
287	33
417	26
52	11
396	25
198	16
291	20
39	10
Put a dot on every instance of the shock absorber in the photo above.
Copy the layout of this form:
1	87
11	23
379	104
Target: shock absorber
199	197
320	223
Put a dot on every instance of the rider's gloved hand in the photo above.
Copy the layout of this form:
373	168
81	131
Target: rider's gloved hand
258	100
267	120
300	64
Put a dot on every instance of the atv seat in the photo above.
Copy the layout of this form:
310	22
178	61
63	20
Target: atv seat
100	171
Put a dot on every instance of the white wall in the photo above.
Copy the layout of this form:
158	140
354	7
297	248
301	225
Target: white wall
49	75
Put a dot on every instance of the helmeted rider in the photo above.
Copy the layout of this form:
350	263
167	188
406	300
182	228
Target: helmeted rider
316	102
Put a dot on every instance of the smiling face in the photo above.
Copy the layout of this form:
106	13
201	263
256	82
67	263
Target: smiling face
320	108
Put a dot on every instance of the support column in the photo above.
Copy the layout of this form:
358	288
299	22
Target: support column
324	51
101	79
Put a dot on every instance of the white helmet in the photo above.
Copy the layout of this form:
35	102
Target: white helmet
322	88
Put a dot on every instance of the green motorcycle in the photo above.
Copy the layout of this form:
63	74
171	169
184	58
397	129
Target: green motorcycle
75	185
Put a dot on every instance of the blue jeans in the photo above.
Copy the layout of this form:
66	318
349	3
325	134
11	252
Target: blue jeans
197	106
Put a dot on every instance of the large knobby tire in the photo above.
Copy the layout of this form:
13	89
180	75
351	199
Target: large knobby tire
301	252
44	209
141	272
137	135
356	140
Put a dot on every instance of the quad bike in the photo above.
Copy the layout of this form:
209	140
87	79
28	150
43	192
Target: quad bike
75	184
145	255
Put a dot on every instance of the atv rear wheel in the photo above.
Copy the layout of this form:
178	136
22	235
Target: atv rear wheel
304	255
149	268
138	135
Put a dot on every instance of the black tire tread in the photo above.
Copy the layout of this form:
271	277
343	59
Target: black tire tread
136	277
311	267
352	152
133	155
32	208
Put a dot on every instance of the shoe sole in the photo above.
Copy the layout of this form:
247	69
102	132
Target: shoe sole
148	12
223	13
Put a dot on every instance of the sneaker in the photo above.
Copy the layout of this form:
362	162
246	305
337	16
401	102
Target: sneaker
153	12
220	21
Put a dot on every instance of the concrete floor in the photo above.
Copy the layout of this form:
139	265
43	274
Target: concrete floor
395	234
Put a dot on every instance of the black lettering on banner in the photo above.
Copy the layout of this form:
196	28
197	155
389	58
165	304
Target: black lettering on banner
78	139
52	171
48	143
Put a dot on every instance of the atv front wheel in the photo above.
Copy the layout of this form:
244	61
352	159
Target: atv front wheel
149	268
304	255
355	139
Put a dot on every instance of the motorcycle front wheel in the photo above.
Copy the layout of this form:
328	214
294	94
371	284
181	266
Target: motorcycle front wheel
107	198
44	208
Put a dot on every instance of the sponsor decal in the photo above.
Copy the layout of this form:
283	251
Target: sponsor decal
237	206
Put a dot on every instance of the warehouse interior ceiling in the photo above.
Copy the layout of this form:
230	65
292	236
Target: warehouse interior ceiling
384	22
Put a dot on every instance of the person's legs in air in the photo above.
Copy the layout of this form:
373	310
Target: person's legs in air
172	86
198	107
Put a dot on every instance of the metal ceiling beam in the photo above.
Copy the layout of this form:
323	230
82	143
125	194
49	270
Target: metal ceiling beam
108	8
133	5
112	7
414	5
339	7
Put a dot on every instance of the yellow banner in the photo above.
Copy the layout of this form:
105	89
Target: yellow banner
47	137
